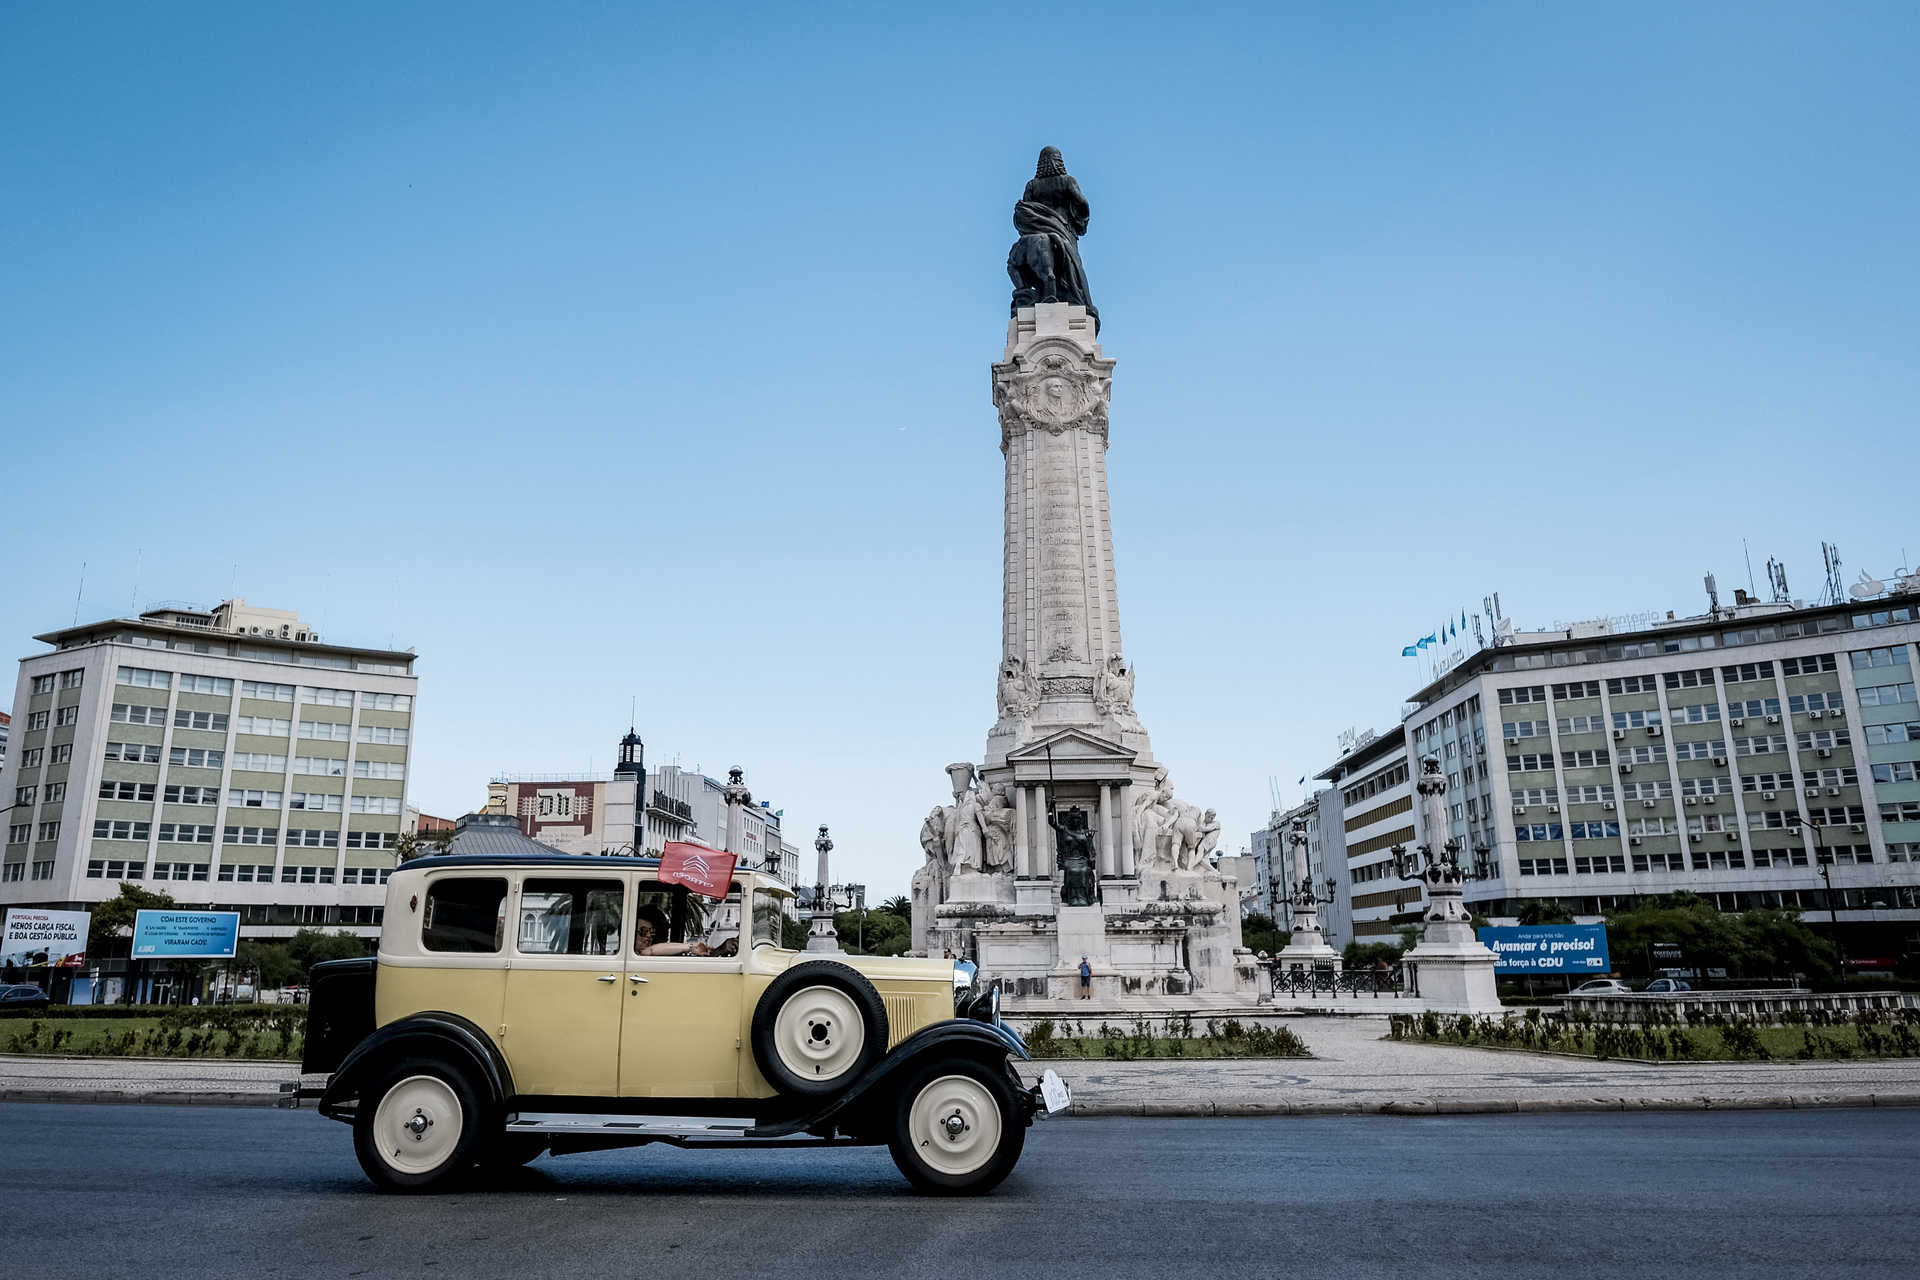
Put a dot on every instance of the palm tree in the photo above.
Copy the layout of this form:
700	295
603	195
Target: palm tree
1544	911
898	905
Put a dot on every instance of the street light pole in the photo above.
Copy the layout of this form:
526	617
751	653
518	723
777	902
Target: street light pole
1826	875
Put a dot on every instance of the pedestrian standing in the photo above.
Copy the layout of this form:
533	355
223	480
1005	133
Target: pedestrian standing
1086	979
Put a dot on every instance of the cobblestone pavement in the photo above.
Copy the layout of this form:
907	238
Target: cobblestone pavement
1354	1069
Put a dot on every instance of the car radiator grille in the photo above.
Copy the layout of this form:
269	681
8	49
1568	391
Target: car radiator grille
903	1018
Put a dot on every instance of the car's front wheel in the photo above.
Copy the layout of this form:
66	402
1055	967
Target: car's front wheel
957	1128
418	1127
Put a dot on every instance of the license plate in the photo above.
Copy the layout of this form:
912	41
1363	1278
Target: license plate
1054	1092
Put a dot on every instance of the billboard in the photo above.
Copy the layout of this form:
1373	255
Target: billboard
164	935
34	936
1548	948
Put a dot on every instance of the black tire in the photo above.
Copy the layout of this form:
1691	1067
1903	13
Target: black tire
834	1029
935	1159
395	1155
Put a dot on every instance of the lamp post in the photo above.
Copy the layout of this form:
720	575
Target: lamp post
820	933
1797	820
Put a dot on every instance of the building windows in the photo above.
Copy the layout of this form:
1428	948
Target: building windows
1536	795
137	713
185	833
206	684
104	829
1896	771
365	875
43	870
203	721
266	692
1661	790
1586	759
1644	755
127	791
1696	713
1706	786
1779	857
386	701
1903	851
20	833
306	875
1904	811
326	697
72	679
1529	763
179	871
1878	734
1887	656
1600	864
1770	744
326	730
1576	689
1602	794
31	757
1659	862
115	869
373	839
1634	684
43	684
197	758
1543	866
1754	707
191	795
1884	695
1535	832
246	873
243	798
1838	815
1812	665
1767	820
1800	702
264	726
1705	749
1766	782
48	831
143	678
1746	670
1636	719
1594	830
13	871
1581	724
1701	678
382	734
310	838
391	770
62	753
1843	777
55	793
372	804
314	801
259	762
64	716
251	835
23	796
37	720
320	766
1720	859
1823	740
1530	693
1655	826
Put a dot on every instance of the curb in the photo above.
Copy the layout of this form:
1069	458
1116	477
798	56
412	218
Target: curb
1228	1107
127	1097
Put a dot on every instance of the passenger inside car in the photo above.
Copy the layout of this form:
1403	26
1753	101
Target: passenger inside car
649	937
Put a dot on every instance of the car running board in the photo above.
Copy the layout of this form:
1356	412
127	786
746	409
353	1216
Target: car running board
571	1122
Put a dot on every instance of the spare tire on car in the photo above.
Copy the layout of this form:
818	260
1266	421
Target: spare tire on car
818	1027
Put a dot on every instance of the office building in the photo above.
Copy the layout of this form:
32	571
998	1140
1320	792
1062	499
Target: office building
227	757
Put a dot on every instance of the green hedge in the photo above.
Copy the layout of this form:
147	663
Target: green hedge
1867	1034
257	1032
235	1012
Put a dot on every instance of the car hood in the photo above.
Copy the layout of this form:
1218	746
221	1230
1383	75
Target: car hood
896	967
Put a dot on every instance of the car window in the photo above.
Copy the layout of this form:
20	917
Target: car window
569	917
465	913
769	913
688	917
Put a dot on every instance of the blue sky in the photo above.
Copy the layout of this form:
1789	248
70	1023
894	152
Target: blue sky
641	352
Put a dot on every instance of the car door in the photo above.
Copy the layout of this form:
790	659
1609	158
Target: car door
681	1036
565	983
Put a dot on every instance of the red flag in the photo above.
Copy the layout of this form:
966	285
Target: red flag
705	871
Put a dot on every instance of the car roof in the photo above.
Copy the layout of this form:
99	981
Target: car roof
571	861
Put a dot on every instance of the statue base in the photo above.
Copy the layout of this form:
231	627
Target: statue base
1452	970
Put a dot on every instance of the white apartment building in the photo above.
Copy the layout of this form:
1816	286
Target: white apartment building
1367	813
226	757
1599	767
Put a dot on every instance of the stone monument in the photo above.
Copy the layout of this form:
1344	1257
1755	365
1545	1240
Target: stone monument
1451	969
1068	838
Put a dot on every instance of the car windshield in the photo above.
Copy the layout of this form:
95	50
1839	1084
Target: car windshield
769	916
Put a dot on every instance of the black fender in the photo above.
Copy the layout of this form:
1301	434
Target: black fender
983	1042
445	1035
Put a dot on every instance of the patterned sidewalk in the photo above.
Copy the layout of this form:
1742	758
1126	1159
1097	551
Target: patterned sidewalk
1354	1070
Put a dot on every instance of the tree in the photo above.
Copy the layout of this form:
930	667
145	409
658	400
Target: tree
872	933
1259	932
793	934
309	947
1752	944
1543	911
115	914
413	844
1367	955
899	905
269	960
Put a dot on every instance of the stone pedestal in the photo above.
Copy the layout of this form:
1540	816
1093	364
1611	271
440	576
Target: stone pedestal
1452	971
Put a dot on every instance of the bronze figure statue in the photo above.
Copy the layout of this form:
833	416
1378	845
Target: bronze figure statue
1044	262
1079	886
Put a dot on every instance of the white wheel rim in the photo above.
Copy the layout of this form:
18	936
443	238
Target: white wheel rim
955	1125
818	1033
417	1124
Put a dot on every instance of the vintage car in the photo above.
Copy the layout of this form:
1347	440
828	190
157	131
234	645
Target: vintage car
508	1014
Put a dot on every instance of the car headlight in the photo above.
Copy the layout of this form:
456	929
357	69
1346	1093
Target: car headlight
965	972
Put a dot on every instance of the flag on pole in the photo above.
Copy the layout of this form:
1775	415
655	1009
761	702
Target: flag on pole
1411	651
706	871
1428	639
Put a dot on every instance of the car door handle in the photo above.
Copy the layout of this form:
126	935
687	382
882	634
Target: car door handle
609	977
634	977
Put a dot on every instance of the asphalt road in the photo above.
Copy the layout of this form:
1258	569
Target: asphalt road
155	1192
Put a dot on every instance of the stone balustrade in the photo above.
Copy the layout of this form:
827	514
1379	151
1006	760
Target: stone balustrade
1759	1006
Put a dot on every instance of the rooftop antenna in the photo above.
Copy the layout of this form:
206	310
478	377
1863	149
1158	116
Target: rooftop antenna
1777	581
1835	591
1713	598
1749	555
133	601
78	591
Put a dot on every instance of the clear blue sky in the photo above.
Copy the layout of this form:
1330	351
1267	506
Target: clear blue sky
608	352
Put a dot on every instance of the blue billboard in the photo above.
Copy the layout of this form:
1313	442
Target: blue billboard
1548	948
175	935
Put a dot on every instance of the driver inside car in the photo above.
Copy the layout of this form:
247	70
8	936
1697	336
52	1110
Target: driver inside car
650	933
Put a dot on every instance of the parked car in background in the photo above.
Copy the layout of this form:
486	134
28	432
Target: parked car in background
1666	986
1603	987
22	996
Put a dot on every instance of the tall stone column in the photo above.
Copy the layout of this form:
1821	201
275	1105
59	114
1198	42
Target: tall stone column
1109	857
1022	835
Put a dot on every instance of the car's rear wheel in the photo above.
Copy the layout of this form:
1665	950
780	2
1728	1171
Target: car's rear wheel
818	1028
418	1127
957	1128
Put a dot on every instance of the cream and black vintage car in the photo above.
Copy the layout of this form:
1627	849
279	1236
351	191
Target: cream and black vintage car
526	1005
